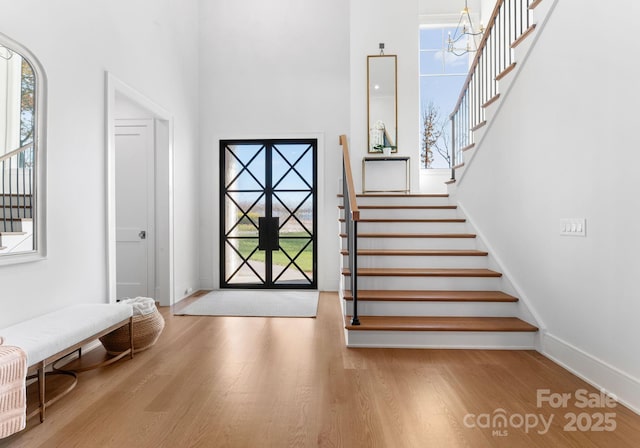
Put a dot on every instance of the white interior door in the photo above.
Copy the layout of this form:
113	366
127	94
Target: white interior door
135	236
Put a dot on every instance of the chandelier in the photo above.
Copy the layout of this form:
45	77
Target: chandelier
464	37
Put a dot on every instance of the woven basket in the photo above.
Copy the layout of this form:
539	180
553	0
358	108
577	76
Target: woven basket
146	330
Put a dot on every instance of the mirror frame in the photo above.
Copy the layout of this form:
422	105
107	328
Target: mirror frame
39	141
371	59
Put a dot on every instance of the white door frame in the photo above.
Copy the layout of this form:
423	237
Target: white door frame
115	86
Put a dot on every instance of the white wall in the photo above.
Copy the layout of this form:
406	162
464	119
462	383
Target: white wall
395	23
149	44
445	11
563	145
274	69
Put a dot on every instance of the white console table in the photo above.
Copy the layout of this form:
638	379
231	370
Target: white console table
386	174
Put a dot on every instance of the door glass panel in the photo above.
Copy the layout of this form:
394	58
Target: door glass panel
292	167
244	263
293	263
271	179
242	212
295	210
245	167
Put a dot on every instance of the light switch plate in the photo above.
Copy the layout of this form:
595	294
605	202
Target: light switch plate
573	227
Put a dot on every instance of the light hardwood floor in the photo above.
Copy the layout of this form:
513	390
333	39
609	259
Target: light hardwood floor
267	382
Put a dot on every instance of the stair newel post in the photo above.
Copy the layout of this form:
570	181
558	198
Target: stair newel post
351	229
351	218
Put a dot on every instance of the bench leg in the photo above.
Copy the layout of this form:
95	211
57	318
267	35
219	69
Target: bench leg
41	387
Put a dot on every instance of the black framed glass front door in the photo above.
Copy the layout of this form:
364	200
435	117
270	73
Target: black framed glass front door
268	212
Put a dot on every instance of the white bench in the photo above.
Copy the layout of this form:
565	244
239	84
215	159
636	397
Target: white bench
50	337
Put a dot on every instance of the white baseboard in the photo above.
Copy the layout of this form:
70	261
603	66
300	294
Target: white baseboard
594	371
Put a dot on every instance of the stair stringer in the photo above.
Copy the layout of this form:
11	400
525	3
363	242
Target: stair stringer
524	308
542	13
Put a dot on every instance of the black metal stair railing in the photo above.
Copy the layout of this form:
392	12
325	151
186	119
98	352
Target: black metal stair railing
351	218
16	188
510	22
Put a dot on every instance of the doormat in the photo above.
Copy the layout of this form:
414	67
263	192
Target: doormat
254	303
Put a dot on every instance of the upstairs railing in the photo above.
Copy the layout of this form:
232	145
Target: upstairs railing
510	22
16	187
351	218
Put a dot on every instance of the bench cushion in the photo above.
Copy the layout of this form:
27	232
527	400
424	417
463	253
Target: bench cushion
46	335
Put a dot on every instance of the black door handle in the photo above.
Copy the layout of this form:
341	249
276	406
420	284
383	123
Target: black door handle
269	233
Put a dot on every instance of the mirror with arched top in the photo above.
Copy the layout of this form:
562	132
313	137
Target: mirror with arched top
22	88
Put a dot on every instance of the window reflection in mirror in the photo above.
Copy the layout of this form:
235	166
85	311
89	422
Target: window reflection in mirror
382	103
19	152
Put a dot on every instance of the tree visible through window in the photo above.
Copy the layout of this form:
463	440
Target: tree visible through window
442	75
27	126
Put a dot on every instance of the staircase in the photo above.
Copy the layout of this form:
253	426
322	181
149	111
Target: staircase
16	223
424	281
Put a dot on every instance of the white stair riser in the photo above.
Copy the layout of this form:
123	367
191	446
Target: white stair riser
403	200
408	213
476	309
540	12
411	227
16	243
441	339
419	262
427	283
27	225
25	245
414	243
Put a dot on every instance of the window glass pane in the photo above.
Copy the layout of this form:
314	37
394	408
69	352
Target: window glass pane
434	59
442	75
441	94
431	62
431	38
456	64
443	91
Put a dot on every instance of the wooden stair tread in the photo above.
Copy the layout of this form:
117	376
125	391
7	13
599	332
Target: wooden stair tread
411	220
430	296
438	323
412	235
535	4
419	252
399	195
404	207
523	36
422	272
